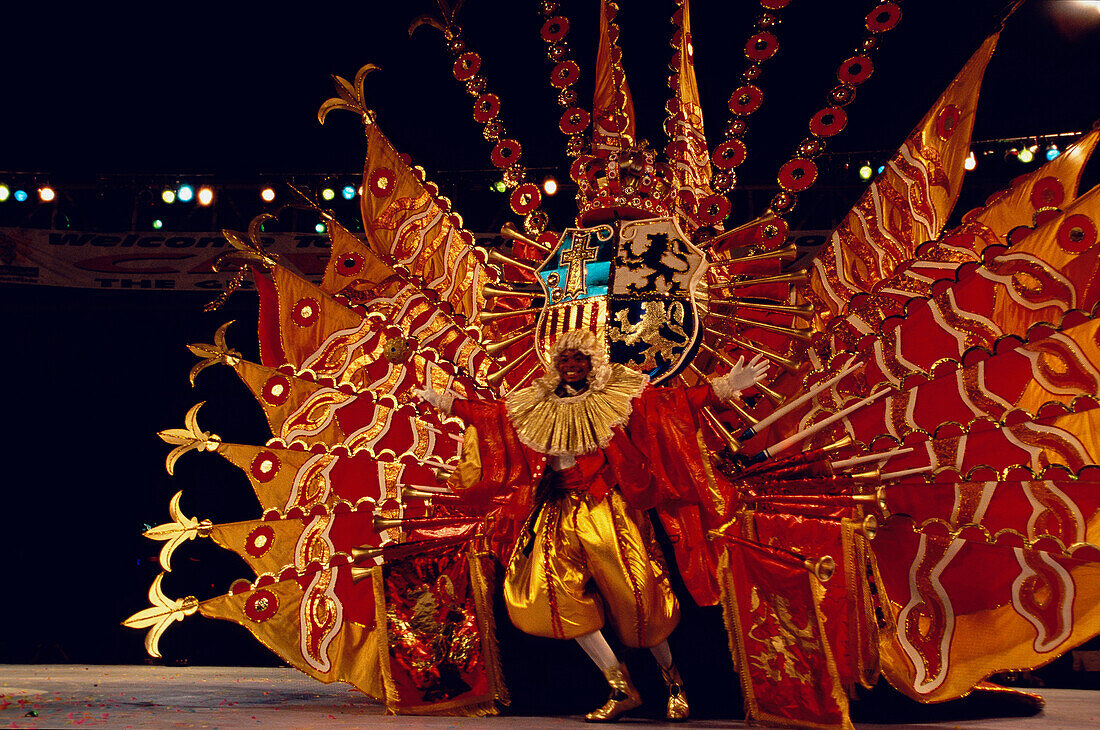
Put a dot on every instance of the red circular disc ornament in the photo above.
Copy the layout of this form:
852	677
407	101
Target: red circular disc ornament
305	311
259	541
774	230
554	29
1077	234
264	466
782	203
535	222
883	18
276	390
349	264
729	154
797	175
1047	193
466	66
745	100
713	209
761	46
774	4
382	182
574	120
525	198
261	605
506	152
855	70
565	74
486	107
947	121
829	121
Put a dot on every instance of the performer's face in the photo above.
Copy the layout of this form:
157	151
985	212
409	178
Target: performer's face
574	366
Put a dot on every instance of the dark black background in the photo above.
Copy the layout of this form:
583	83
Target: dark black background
232	89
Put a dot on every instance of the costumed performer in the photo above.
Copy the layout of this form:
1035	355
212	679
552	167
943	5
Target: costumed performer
573	448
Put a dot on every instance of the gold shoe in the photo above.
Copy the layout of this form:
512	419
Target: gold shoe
624	697
677	699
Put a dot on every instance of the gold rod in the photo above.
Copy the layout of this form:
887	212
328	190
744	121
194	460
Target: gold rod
508	230
791	278
497	257
802	334
496	378
778	359
789	251
489	291
804	311
495	348
490	317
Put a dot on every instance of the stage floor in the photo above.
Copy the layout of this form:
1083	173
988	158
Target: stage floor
39	695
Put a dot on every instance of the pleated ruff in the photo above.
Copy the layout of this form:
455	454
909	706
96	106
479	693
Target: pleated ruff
587	560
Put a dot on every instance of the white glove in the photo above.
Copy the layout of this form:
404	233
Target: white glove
439	401
740	377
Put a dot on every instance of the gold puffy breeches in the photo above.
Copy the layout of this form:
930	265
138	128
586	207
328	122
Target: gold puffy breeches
584	558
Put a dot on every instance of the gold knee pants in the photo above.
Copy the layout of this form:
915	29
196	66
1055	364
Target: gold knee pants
585	557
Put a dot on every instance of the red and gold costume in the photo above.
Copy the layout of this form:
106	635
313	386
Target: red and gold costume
561	529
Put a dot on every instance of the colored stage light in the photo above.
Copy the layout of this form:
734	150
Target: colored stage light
46	194
158	224
20	196
5	192
499	186
550	186
328	193
267	194
881	168
971	161
865	171
1052	151
206	195
185	194
320	228
168	196
348	192
1025	155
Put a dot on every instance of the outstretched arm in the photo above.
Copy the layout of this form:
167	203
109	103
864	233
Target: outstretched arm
740	377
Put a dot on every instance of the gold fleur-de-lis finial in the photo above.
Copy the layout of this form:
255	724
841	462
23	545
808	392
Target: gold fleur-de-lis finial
160	615
189	438
350	96
249	247
445	23
218	352
175	533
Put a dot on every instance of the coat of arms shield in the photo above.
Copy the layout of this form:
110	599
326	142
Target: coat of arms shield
633	284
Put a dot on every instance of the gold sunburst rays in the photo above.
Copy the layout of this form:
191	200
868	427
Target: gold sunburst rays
188	438
350	96
162	614
175	533
218	352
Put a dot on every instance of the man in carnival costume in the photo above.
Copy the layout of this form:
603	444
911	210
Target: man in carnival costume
576	446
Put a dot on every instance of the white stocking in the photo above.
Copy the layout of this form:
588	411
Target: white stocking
598	650
662	654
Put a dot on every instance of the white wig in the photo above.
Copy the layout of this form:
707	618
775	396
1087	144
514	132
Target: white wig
582	341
